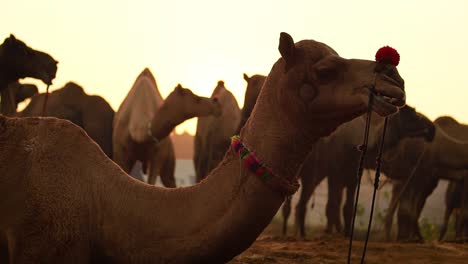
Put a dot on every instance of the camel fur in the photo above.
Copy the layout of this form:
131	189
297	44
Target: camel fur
64	201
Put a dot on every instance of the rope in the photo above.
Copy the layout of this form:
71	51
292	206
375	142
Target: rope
44	106
376	186
363	149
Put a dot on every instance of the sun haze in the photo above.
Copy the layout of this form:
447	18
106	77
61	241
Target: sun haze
104	45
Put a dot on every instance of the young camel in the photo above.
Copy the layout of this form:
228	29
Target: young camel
143	122
64	201
20	61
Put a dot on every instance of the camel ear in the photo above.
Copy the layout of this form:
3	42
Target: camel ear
246	77
287	50
179	88
12	37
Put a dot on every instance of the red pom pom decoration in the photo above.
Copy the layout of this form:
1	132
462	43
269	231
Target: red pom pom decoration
387	55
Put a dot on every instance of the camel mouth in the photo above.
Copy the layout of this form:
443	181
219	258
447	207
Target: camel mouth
386	104
46	77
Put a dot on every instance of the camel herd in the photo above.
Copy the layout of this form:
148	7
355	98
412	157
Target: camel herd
66	195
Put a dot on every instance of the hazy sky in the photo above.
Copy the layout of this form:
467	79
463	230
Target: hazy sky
104	45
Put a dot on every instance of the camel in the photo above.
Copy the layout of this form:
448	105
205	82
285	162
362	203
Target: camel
15	94
213	134
91	112
337	157
254	84
64	201
144	121
446	157
17	61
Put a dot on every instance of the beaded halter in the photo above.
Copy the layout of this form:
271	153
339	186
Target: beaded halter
283	186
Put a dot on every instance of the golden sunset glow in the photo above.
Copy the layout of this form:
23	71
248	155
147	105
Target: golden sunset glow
104	45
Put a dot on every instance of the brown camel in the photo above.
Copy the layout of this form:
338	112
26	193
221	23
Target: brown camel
213	133
17	93
91	112
144	120
64	201
19	61
254	84
337	157
417	166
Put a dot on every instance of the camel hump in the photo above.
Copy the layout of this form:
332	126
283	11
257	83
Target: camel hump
446	120
71	87
219	89
147	73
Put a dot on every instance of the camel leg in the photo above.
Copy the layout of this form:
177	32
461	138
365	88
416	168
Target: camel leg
286	210
122	158
443	228
308	187
153	172
420	201
404	217
335	195
167	172
348	208
3	248
397	187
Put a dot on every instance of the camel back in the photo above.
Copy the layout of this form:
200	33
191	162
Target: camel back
140	105
452	127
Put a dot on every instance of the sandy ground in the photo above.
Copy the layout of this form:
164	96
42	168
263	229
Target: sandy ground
333	249
322	248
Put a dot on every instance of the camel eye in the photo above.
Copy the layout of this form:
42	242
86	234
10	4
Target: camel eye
326	74
307	92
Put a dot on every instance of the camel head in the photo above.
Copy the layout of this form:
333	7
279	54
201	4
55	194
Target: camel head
187	105
254	85
23	91
312	84
409	123
20	61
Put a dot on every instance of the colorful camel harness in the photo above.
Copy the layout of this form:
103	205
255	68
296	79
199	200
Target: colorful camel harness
283	186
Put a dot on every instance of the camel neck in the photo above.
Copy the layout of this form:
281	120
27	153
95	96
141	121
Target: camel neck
213	220
162	124
443	144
